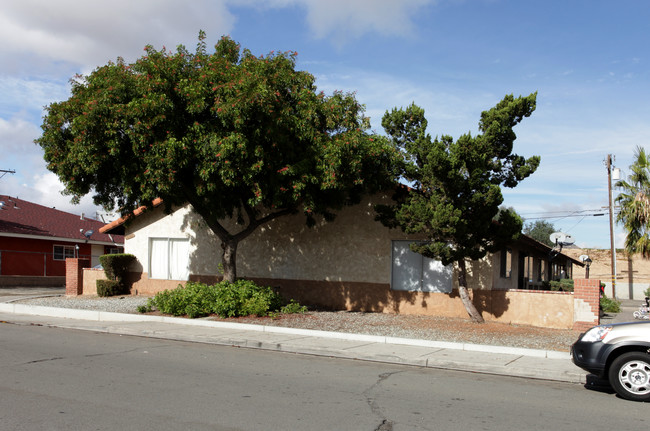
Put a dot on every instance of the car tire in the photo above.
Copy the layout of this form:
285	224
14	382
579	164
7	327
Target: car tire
629	375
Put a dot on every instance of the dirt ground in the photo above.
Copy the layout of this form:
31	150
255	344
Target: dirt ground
629	270
424	327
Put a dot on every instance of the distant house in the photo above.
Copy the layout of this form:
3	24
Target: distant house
352	263
35	240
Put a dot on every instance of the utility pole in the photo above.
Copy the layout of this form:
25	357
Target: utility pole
5	172
611	223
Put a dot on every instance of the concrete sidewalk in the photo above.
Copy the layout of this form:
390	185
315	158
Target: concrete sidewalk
507	361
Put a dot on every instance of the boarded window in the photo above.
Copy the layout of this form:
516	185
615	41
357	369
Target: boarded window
414	272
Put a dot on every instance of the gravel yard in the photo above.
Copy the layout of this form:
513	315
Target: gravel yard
417	327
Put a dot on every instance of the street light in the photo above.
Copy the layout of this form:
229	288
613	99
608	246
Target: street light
587	262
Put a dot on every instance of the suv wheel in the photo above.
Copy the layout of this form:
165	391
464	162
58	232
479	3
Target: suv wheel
629	375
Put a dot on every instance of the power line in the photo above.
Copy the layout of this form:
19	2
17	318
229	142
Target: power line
564	214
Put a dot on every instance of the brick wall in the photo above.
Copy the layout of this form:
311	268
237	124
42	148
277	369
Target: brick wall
74	275
586	300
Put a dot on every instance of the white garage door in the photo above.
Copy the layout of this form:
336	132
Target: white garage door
414	272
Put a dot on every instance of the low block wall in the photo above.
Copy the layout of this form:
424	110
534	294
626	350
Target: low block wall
535	308
522	307
90	277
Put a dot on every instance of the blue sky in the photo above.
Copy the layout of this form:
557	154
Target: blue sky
588	60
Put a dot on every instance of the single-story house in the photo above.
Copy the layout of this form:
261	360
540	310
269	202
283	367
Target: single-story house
351	263
35	240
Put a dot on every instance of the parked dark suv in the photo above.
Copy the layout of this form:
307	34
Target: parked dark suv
620	353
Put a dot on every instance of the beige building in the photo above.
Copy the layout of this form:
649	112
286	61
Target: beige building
352	263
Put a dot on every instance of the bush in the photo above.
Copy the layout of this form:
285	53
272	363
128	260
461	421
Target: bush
241	298
144	308
245	298
564	285
109	288
293	308
610	305
116	266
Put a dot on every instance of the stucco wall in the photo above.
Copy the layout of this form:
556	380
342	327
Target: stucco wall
352	248
90	277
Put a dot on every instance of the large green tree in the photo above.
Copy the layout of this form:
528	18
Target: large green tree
540	230
455	186
634	201
235	135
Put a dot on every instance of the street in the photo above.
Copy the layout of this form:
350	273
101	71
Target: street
61	379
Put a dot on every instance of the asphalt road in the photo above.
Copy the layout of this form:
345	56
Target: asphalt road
58	379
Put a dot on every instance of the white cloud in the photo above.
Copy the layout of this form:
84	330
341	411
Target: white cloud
15	133
45	189
340	20
93	32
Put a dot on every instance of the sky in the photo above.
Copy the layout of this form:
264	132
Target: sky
588	61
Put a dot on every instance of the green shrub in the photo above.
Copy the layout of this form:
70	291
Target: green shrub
241	298
109	288
564	285
647	292
116	266
610	305
293	308
245	298
144	308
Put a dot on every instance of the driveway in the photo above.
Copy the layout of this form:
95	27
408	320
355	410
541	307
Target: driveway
12	293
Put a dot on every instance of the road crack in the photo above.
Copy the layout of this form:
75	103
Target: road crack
386	424
36	361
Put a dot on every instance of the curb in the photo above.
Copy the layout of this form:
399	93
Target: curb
106	316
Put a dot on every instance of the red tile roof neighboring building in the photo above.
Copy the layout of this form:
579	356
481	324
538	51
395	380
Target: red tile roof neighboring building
20	218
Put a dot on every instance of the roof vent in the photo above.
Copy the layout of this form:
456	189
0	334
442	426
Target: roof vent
82	216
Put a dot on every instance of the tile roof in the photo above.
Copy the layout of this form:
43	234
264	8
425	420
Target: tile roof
19	217
117	226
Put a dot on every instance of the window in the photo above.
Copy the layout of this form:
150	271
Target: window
62	252
539	265
169	258
414	272
506	263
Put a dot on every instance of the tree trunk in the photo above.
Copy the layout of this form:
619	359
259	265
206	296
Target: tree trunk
229	259
464	294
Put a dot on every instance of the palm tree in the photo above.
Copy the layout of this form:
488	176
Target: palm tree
634	202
